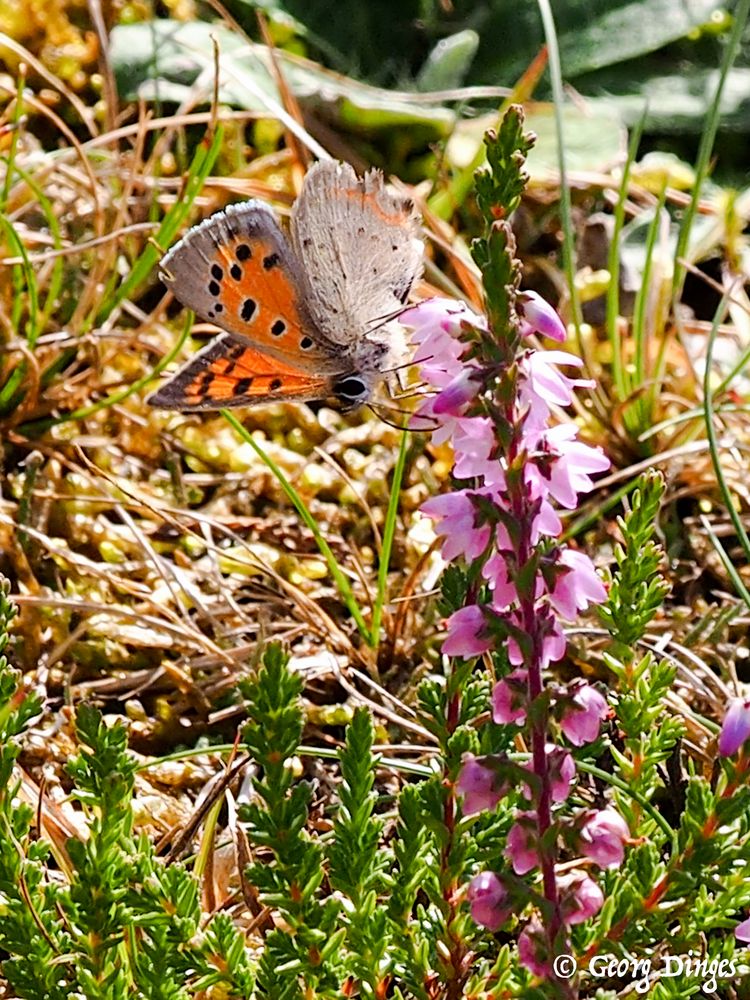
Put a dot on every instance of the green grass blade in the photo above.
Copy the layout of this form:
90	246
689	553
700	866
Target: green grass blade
23	275
389	531
347	594
566	215
642	295
706	146
638	416
619	369
56	277
200	168
713	447
731	569
18	111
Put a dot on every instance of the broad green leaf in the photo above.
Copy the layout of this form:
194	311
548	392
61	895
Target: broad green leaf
595	138
385	41
166	60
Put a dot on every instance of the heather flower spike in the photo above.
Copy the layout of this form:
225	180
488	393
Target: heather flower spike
494	399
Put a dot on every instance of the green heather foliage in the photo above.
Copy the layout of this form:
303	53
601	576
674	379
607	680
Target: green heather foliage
119	923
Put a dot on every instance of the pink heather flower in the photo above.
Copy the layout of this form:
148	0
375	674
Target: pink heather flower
583	715
533	949
467	633
473	443
541	316
495	571
521	847
569	474
543	385
436	328
553	648
562	771
581	897
489	901
742	931
547	522
479	786
603	838
460	390
735	729
457	516
577	588
433	317
509	698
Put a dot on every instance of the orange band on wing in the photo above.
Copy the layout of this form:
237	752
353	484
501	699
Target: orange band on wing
229	373
244	372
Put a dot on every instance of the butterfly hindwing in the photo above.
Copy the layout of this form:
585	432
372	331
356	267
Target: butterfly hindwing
237	270
228	372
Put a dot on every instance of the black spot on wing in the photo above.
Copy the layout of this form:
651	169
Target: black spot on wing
248	308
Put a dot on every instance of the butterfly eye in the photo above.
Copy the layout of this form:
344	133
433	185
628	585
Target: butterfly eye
351	390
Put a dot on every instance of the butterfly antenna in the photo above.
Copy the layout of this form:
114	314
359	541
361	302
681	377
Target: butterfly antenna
430	424
376	410
379	321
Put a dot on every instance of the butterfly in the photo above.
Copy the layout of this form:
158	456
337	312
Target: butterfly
304	318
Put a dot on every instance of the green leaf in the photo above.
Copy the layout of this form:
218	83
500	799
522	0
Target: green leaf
161	61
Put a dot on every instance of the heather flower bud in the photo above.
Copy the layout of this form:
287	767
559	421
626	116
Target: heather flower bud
580	897
540	316
489	901
467	633
562	771
603	838
533	949
481	786
522	844
736	727
509	698
460	391
583	715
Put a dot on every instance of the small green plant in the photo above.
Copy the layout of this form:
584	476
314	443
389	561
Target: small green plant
377	904
683	878
114	921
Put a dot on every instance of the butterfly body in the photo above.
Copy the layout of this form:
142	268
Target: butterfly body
309	317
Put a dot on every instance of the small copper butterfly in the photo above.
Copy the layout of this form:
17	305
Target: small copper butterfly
309	317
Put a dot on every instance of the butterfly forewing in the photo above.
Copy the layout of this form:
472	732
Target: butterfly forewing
237	270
